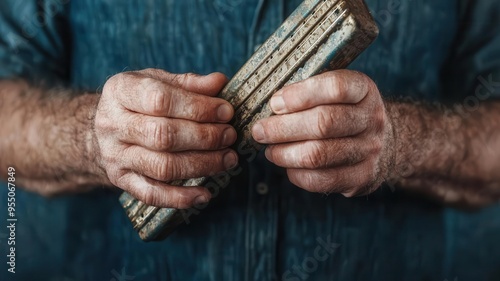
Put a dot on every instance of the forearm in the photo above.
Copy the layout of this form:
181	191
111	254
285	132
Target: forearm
47	137
446	153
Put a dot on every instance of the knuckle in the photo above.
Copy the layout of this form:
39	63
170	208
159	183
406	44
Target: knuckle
272	126
376	146
170	169
353	121
155	72
371	176
150	196
102	123
108	89
368	82
352	157
314	157
112	86
157	100
189	77
163	135
165	168
117	177
180	79
325	121
113	83
379	120
148	70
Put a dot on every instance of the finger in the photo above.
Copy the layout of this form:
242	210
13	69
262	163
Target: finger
334	87
322	122
349	181
173	135
176	166
155	193
209	85
157	98
321	154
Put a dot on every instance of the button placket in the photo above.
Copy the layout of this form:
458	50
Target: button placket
262	188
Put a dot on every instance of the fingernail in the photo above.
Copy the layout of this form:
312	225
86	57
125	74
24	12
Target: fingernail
277	103
224	113
258	132
229	137
201	200
230	160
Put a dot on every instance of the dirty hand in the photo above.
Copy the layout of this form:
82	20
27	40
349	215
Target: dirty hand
152	127
331	132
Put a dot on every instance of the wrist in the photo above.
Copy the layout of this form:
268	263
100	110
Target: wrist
85	114
428	140
400	165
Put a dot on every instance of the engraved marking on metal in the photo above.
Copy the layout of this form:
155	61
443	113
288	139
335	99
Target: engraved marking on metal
292	62
141	219
314	64
135	208
311	65
283	50
268	47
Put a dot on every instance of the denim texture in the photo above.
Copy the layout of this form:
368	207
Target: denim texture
427	49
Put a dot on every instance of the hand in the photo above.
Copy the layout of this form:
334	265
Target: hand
331	133
154	127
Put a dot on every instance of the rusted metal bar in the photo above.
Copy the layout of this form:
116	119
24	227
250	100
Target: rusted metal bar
319	35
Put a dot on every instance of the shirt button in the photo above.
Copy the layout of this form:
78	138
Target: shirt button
262	188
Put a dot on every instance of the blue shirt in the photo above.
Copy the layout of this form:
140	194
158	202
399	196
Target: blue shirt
261	227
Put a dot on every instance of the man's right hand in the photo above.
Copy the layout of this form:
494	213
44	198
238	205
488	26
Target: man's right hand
153	127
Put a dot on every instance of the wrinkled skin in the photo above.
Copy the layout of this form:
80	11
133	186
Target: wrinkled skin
331	132
153	127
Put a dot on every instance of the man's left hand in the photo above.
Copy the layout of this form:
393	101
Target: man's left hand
331	132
